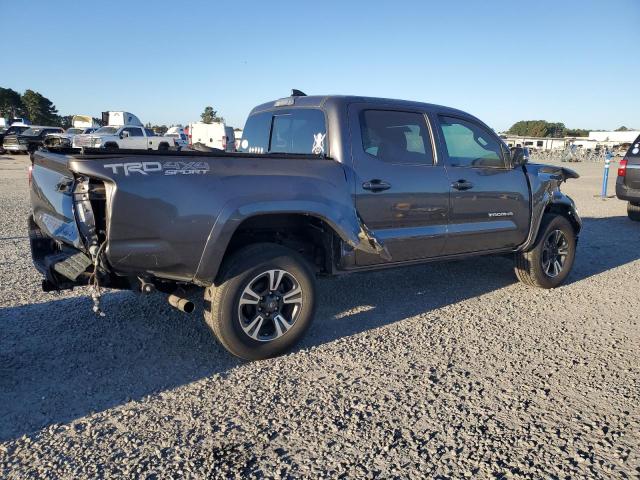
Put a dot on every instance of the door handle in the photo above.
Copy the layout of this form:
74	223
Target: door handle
376	185
462	185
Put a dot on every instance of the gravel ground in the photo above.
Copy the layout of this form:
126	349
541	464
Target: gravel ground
445	370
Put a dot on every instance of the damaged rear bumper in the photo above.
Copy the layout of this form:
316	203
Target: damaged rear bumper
62	266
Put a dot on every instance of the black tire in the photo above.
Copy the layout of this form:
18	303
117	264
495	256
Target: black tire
111	146
163	147
249	267
532	267
633	211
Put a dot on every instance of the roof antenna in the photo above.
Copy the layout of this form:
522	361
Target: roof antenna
297	93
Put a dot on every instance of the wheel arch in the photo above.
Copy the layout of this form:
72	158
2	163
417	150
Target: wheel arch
308	224
566	210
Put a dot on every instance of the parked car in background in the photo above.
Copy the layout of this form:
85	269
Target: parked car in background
214	135
179	135
29	140
65	139
390	183
81	125
628	181
12	130
132	137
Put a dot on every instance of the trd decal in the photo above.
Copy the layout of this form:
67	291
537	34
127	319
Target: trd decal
166	168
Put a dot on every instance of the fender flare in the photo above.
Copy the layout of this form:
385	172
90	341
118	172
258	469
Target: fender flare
346	224
550	200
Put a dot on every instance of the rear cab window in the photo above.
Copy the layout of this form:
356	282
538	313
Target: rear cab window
288	131
634	149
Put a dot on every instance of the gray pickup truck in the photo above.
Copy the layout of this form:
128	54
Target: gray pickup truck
322	185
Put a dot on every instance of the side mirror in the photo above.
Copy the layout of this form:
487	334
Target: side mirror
124	134
518	157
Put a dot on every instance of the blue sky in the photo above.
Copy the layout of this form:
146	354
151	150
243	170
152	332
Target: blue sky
577	62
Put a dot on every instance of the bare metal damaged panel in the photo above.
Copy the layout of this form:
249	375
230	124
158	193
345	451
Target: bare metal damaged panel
369	243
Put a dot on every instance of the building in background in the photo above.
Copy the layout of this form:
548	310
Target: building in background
615	141
535	143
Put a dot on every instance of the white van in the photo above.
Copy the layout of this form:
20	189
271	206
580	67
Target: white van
214	135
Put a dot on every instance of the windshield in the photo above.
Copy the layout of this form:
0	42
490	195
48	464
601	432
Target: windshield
74	131
15	130
106	130
32	132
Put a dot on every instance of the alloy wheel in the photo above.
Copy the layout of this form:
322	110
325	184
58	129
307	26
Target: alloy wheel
270	305
554	253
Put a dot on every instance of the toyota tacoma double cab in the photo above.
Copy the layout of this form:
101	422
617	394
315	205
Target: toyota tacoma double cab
628	181
322	185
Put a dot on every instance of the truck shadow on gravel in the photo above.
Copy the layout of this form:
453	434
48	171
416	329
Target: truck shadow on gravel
59	362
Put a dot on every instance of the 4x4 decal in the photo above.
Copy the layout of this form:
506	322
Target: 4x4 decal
165	168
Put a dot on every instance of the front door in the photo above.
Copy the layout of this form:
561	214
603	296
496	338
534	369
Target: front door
402	191
135	140
489	199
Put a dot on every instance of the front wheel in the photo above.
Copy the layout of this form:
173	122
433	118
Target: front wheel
633	211
263	303
549	262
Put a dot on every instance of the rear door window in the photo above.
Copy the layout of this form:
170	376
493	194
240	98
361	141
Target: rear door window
396	137
470	145
295	131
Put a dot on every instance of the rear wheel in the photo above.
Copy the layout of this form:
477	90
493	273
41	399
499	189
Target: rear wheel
264	302
633	211
163	147
549	262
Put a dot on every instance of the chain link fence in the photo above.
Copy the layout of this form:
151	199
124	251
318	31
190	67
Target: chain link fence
567	155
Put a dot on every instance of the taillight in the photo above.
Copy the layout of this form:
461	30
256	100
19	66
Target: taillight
224	143
30	173
622	168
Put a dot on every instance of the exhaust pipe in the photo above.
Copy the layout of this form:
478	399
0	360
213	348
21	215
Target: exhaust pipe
176	300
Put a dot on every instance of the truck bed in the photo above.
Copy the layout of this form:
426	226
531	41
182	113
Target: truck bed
170	214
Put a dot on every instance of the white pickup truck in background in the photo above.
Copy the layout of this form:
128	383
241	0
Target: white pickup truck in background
125	131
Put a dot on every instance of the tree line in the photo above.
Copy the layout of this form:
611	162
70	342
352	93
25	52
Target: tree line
34	106
41	111
542	128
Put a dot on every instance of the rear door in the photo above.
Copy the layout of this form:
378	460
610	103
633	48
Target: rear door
402	191
489	199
